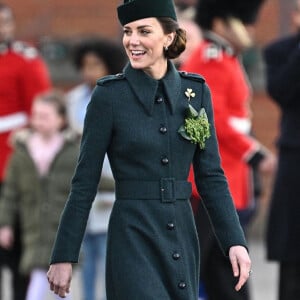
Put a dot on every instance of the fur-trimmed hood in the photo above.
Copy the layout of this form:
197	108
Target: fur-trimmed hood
21	136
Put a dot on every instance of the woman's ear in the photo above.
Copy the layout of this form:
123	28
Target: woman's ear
170	38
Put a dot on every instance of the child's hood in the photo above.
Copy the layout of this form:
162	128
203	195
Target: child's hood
21	136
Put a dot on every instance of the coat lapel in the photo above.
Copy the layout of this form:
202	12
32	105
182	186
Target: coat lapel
172	85
145	87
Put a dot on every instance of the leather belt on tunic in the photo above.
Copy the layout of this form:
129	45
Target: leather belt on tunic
165	189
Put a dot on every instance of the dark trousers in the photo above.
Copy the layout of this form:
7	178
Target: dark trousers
11	259
215	268
289	282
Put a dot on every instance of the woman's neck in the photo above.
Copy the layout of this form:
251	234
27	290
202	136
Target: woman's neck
158	71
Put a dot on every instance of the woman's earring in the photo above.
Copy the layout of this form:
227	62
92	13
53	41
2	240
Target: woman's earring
166	48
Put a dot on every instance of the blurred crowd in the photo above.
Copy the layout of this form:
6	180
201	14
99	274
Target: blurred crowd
41	127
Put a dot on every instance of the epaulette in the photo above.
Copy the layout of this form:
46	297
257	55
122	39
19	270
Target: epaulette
192	76
213	52
24	50
110	78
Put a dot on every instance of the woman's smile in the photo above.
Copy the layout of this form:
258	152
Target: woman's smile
137	53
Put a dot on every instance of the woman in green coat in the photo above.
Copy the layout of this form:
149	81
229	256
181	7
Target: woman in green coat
153	122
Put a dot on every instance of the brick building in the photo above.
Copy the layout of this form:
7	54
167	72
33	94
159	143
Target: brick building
68	18
65	19
54	24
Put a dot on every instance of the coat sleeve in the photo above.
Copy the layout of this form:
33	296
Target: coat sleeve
222	87
10	193
283	72
36	80
95	140
213	188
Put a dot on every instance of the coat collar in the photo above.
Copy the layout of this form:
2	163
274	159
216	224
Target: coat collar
145	87
219	41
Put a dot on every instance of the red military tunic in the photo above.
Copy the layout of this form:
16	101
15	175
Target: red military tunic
23	74
231	96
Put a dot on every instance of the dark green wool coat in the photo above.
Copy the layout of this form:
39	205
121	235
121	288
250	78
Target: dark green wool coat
153	251
38	201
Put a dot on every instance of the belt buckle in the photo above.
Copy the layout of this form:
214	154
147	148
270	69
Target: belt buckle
167	190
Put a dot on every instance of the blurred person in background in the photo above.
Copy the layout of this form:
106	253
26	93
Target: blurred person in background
186	11
36	186
225	32
23	74
193	38
95	58
282	59
183	5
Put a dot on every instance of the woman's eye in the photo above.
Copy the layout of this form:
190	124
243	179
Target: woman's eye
126	31
145	32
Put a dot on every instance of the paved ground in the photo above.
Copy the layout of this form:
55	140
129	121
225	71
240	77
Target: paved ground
263	281
264	277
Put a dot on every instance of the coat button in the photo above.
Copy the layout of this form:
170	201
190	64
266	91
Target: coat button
163	129
159	100
171	226
182	285
176	255
164	160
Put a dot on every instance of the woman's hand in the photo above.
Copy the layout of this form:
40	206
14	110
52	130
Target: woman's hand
6	237
59	277
241	264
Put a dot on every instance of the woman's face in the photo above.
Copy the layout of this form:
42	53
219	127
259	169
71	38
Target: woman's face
45	119
144	42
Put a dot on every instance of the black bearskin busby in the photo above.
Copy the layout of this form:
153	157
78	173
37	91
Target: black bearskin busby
245	11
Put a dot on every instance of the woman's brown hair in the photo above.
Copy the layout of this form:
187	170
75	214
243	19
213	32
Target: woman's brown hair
179	43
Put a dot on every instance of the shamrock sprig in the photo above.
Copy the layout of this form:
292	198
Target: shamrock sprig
196	127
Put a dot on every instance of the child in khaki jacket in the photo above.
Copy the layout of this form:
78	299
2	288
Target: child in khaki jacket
37	185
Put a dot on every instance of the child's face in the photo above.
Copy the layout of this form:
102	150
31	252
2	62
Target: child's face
45	118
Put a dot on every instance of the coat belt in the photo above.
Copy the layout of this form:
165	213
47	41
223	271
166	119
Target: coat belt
165	189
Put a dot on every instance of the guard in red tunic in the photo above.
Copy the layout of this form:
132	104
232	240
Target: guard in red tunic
216	59
231	95
23	75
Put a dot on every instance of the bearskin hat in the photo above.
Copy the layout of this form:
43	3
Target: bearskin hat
244	10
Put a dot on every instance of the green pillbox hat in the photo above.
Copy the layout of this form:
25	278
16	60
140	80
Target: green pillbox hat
133	10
